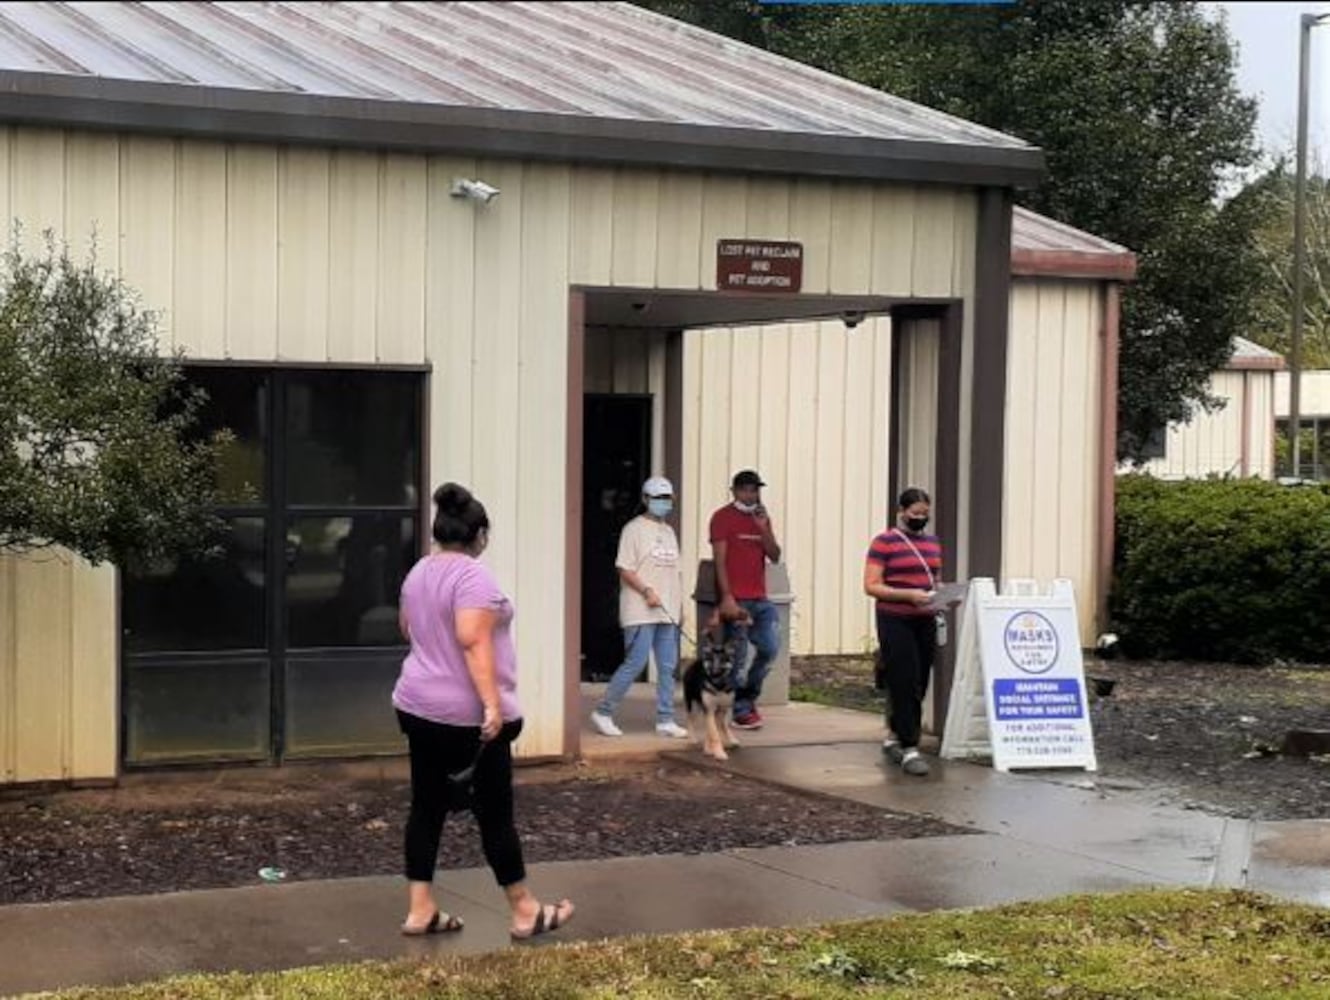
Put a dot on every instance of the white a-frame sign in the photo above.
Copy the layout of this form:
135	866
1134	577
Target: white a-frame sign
1018	695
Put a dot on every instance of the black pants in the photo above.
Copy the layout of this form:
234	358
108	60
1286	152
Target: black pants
906	646
437	751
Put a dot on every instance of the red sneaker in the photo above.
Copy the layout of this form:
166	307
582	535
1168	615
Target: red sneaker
749	721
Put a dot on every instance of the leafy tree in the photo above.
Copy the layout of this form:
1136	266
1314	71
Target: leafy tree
1270	197
97	452
1138	112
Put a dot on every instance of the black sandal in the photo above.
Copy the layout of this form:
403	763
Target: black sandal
440	923
544	924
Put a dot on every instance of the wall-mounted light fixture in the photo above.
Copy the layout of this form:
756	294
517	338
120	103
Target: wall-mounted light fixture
472	190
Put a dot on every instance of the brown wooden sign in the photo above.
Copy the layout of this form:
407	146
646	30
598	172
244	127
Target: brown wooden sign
759	266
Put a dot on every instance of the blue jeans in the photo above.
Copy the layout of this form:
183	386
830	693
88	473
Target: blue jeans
764	634
638	641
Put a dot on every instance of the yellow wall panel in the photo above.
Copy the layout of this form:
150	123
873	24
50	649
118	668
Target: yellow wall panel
591	244
851	237
679	247
353	265
42	667
147	223
93	673
9	706
724	216
934	236
251	252
92	196
304	179
402	227
636	209
810	224
450	274
37	186
893	238
198	321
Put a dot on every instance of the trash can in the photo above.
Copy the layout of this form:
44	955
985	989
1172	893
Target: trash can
776	687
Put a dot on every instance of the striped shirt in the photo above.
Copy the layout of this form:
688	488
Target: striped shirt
902	569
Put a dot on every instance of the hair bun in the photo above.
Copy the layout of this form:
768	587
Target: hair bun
452	498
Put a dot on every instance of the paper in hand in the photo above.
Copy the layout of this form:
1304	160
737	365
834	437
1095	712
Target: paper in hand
947	594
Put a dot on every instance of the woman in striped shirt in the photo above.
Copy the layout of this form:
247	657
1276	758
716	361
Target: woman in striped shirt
901	572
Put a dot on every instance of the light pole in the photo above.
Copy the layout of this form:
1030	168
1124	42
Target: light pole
1309	21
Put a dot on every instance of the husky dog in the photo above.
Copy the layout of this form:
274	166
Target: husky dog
708	695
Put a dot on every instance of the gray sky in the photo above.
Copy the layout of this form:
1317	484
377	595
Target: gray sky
1267	37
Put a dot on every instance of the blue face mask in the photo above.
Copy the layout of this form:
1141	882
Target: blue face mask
660	507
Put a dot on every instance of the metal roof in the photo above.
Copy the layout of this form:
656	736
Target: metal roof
1045	247
599	81
1250	356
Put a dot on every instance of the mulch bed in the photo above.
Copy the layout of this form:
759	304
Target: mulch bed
183	834
1202	735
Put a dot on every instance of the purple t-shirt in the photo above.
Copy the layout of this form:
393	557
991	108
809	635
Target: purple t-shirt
434	683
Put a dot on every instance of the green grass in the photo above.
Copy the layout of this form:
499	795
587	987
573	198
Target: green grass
1150	944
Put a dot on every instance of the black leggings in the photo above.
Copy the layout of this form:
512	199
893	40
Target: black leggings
437	751
906	648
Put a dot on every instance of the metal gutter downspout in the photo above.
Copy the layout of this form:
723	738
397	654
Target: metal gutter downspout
1108	444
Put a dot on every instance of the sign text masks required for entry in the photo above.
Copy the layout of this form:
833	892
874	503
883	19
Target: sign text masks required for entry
759	266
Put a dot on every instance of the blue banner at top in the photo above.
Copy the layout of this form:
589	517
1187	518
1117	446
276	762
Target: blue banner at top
890	3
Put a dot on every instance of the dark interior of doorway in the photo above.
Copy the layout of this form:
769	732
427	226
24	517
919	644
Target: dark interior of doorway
616	459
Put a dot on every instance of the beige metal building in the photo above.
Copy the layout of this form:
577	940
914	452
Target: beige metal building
1237	438
1313	416
280	181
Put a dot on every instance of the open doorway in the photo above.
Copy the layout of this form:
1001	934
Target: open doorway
616	448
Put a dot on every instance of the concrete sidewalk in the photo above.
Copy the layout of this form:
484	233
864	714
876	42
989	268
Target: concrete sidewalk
1038	838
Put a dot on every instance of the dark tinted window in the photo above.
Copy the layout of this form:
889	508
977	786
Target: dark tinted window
238	402
352	438
343	576
202	603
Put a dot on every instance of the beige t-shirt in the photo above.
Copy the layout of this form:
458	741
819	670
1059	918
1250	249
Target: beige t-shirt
651	550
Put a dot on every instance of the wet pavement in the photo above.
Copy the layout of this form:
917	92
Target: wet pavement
1040	836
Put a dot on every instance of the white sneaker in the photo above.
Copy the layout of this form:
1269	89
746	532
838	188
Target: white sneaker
605	724
671	729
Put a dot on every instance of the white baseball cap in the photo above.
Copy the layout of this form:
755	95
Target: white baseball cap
657	486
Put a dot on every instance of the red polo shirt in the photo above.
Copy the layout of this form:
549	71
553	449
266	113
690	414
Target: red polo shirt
745	559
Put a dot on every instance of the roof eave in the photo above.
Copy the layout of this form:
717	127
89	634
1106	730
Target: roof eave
1073	264
1259	364
249	115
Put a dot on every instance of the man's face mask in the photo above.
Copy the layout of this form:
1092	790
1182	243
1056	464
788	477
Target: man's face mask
660	506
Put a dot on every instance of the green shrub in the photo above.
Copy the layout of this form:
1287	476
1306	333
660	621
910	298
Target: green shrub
1222	569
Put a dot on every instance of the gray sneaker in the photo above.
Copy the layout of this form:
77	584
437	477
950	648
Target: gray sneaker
892	751
913	763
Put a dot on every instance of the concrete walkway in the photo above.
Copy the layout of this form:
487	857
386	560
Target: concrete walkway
1040	838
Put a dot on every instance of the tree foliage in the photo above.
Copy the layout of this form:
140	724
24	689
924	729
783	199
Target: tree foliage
1270	197
97	453
1138	112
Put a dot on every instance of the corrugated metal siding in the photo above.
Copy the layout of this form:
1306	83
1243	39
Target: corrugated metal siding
262	253
1052	437
1211	443
806	405
609	60
1032	231
1313	394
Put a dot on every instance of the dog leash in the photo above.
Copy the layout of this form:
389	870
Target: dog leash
662	610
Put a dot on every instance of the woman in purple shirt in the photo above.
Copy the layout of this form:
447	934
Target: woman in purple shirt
456	701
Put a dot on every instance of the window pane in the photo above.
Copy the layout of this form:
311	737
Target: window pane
202	603
343	578
197	711
340	704
353	438
238	402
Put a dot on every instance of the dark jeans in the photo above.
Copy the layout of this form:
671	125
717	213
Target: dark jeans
907	648
764	634
437	751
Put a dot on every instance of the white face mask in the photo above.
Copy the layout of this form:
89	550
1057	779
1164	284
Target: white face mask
747	508
660	507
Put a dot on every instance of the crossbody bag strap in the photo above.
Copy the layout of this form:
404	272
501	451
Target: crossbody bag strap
932	582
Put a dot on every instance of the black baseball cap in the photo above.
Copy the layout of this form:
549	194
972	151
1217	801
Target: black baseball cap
747	477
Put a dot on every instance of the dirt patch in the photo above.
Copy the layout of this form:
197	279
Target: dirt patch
1202	735
186	834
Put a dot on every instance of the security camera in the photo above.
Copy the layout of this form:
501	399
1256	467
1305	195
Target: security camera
852	318
474	190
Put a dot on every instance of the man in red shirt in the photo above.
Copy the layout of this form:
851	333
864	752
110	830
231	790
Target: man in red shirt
742	540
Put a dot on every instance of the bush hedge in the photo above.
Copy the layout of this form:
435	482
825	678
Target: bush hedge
1231	570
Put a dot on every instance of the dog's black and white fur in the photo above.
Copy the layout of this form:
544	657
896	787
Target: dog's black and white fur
708	695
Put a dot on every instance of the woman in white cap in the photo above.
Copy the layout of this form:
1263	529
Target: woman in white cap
650	607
